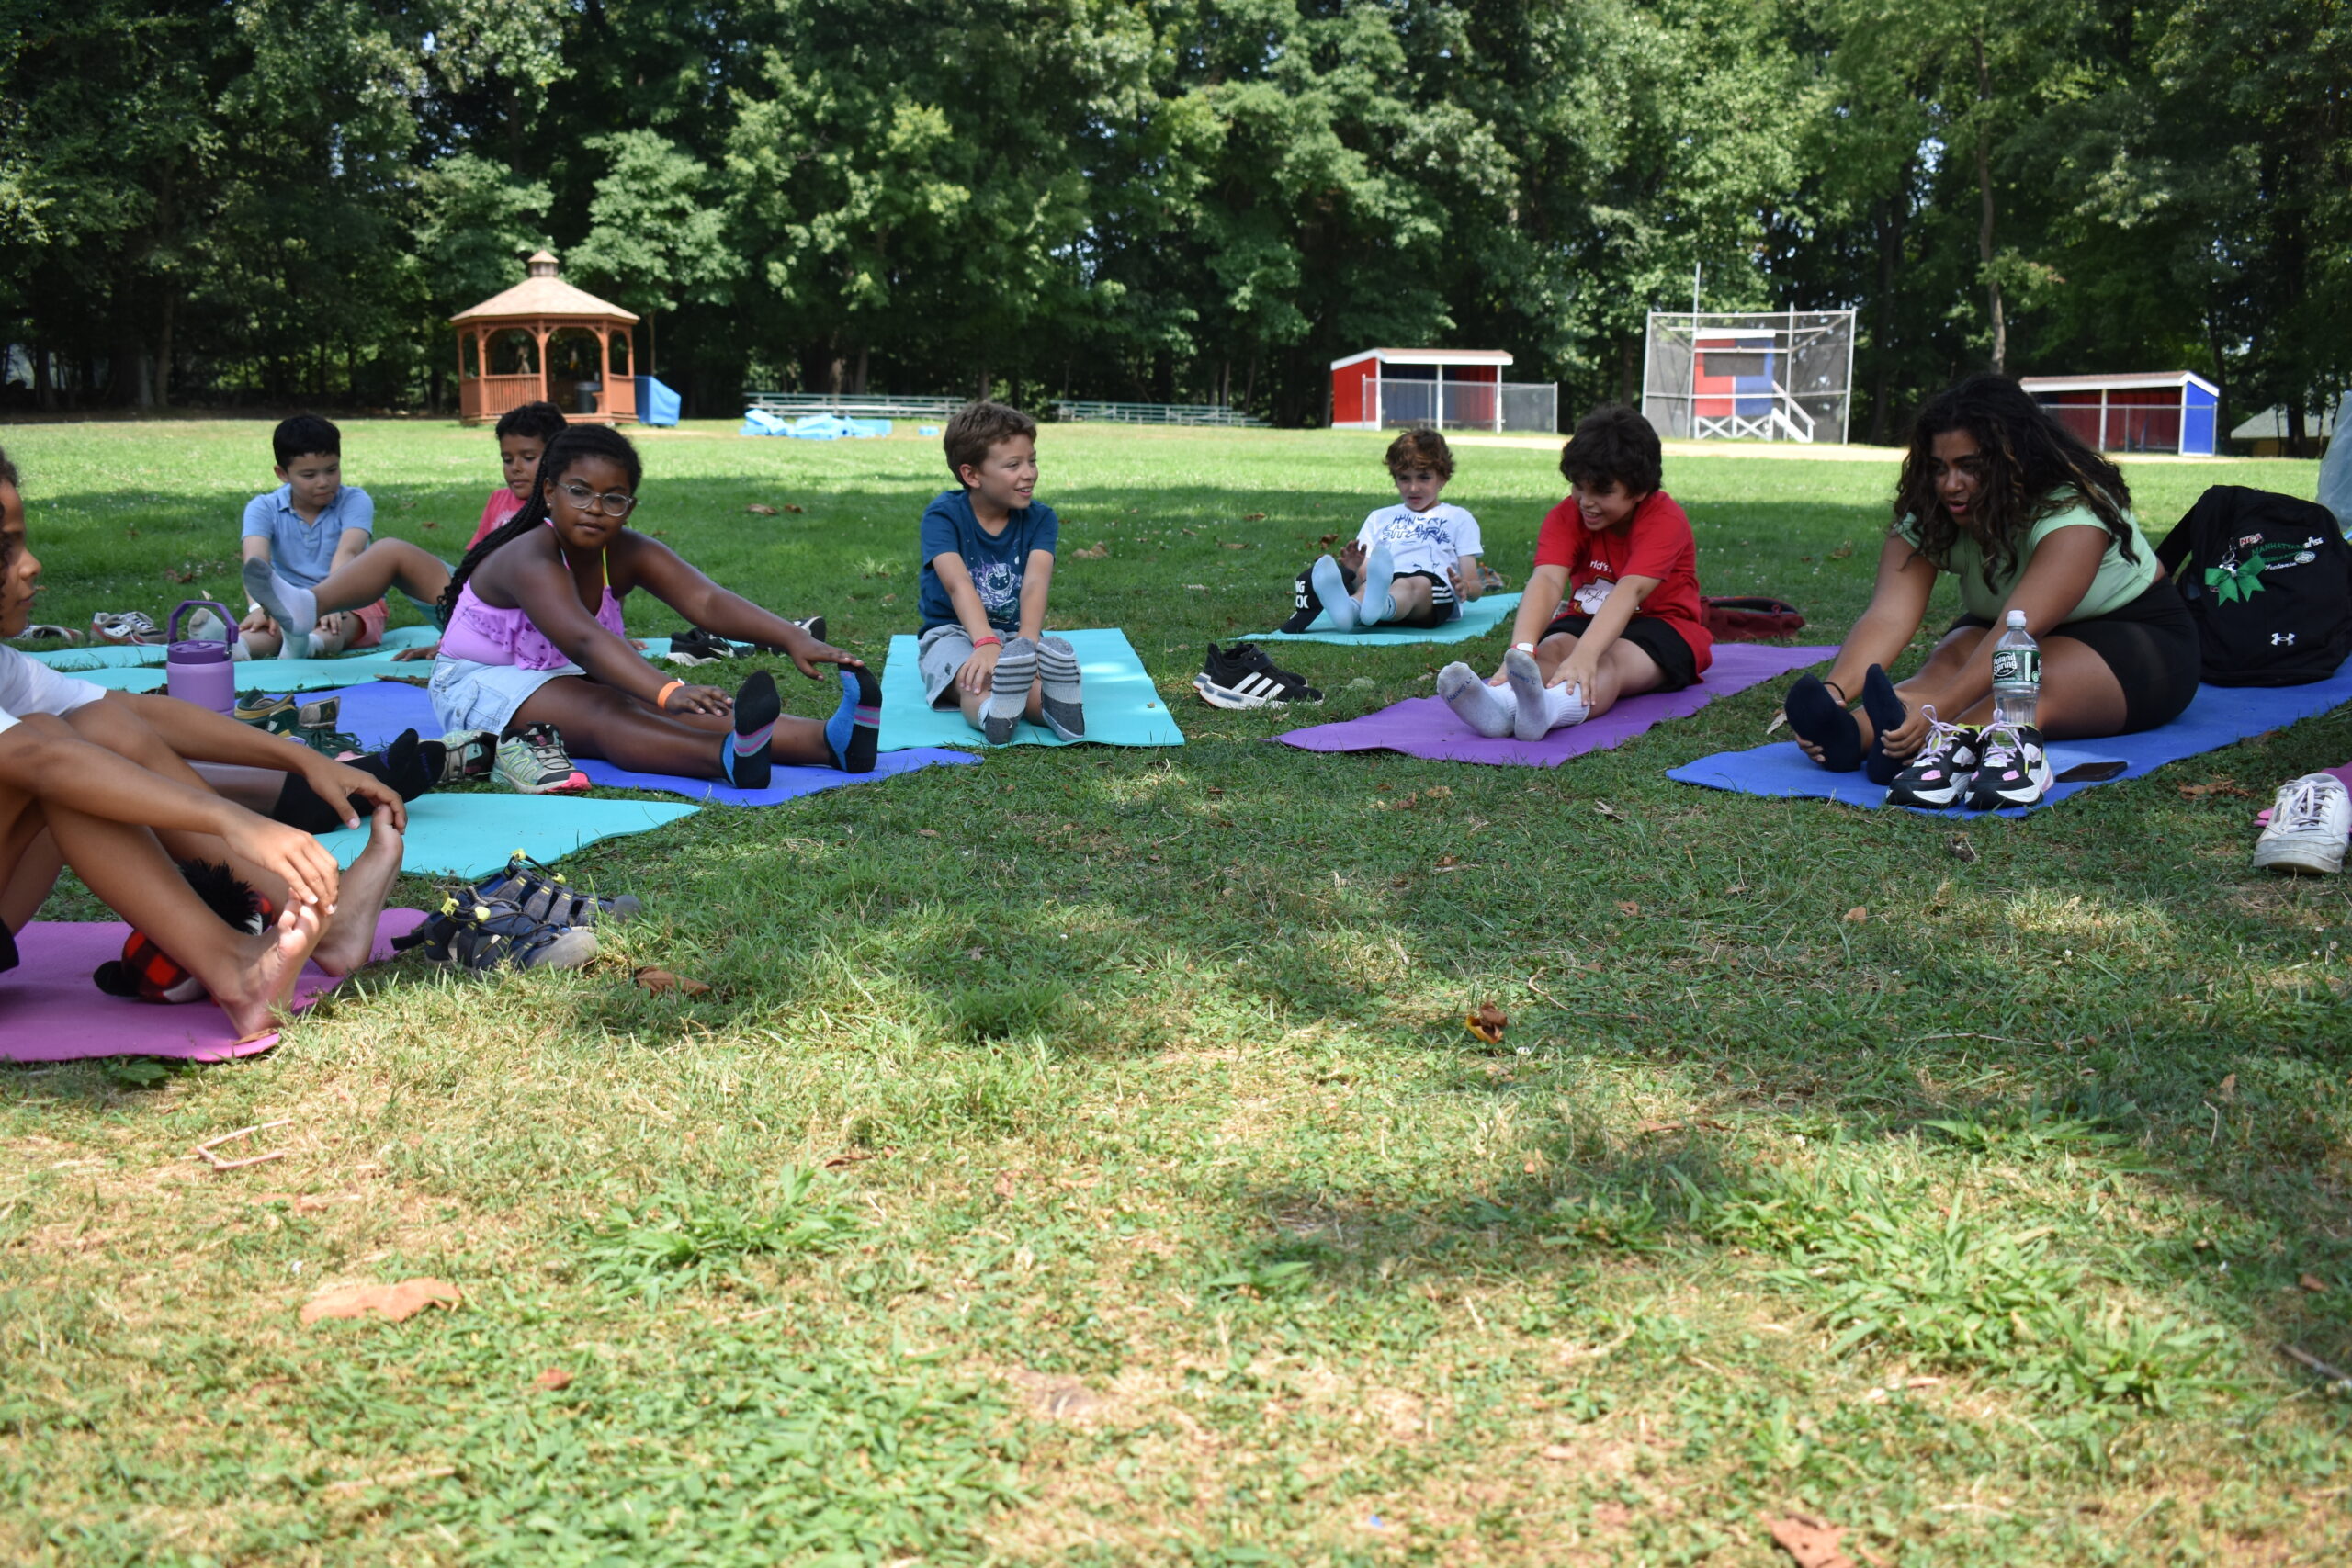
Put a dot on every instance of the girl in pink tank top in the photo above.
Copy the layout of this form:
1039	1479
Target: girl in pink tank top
534	613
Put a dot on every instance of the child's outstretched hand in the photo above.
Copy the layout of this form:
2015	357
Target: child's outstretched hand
1352	555
978	674
699	699
806	653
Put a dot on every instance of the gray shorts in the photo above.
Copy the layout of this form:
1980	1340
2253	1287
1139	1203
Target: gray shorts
941	652
467	695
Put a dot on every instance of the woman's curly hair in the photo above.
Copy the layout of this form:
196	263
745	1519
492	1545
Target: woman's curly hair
2034	468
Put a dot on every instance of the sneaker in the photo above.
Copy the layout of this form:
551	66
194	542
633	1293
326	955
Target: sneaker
467	754
484	935
283	715
1243	677
1942	771
2012	769
545	895
2309	824
536	762
1306	604
695	646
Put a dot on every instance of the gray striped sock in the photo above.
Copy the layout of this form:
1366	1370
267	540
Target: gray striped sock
1062	697
1016	672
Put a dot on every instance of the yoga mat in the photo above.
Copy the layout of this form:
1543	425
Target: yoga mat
2217	716
1123	707
49	1011
376	712
142	669
471	834
1478	617
1426	728
86	657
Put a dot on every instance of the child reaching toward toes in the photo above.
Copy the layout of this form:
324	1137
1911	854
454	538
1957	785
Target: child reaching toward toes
532	645
988	565
1622	550
1414	564
315	573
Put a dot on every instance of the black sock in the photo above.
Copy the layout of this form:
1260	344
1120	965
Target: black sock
1885	707
1821	718
744	756
401	765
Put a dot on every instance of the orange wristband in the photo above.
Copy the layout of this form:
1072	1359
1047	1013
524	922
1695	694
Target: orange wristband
661	698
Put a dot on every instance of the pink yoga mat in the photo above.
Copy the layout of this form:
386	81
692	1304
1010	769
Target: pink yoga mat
49	1011
1426	728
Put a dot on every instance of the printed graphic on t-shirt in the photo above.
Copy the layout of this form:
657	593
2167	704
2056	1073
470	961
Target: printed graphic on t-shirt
1413	528
999	586
1592	596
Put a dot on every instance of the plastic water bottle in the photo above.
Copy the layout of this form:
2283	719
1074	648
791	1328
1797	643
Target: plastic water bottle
2016	674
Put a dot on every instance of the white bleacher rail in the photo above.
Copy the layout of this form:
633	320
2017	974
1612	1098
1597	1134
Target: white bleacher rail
1072	412
887	405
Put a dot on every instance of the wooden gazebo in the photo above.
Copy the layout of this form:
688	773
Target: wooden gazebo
545	341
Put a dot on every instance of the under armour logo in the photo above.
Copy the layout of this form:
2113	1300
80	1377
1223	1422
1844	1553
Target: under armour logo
2282	639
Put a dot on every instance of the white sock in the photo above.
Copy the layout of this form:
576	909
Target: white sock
296	610
1564	705
1531	709
1487	710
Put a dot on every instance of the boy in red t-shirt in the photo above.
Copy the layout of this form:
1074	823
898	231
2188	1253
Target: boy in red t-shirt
1621	552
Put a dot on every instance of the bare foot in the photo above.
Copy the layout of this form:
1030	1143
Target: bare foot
350	938
263	985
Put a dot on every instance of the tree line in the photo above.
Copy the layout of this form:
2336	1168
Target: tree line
216	202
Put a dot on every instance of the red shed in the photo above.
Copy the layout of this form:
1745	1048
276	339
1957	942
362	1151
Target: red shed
1448	388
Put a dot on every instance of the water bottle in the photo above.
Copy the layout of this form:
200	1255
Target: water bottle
2016	674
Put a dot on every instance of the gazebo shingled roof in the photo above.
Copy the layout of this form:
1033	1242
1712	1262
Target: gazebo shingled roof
543	307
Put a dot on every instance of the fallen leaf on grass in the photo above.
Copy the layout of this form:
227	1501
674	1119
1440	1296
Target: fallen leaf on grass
789	507
1004	1186
2217	786
1447	863
400	1302
1609	811
1093	552
1857	914
660	980
1628	908
1057	1398
1489	1023
424	524
1813	1542
2228	1086
2312	1284
926	832
1962	849
760	509
1197	588
1230	545
857	1156
1253	518
554	1378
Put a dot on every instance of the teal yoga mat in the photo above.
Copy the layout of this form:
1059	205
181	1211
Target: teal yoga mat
1478	617
471	834
142	669
1123	707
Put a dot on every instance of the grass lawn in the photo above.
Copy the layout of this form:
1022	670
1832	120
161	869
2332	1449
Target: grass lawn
1080	1158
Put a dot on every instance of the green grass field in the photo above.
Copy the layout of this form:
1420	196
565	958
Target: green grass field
1080	1158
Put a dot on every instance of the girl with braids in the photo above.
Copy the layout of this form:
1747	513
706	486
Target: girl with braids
533	639
1997	492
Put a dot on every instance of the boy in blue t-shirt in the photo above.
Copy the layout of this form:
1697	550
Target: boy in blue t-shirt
988	562
316	574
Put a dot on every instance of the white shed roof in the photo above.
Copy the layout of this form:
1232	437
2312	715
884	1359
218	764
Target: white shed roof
1427	357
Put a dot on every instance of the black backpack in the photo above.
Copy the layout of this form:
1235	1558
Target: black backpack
2270	579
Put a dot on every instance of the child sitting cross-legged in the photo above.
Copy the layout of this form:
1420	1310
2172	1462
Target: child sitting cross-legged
988	564
1621	552
315	573
1413	564
533	647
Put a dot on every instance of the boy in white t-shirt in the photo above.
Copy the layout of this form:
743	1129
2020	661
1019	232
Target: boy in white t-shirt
1411	565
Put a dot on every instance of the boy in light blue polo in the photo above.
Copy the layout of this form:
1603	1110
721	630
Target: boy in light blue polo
316	573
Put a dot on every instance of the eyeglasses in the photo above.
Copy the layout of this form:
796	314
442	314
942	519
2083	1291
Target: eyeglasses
612	503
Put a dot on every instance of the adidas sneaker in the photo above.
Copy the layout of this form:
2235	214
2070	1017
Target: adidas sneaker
2012	769
1243	677
1943	770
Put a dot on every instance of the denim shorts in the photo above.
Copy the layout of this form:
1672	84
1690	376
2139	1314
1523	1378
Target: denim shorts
467	695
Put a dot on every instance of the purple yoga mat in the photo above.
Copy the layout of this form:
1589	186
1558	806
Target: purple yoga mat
1426	728
376	712
50	1010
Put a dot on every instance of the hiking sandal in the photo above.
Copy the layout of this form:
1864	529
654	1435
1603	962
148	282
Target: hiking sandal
544	895
480	937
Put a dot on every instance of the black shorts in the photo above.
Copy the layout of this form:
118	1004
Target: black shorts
2150	643
1677	665
1442	607
9	958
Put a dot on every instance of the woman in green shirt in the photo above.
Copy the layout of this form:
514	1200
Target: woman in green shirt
2000	495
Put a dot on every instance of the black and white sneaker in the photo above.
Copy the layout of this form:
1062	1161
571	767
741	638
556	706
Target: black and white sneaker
1243	677
2012	769
1943	770
695	646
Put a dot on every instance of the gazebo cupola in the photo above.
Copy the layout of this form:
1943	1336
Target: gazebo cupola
545	341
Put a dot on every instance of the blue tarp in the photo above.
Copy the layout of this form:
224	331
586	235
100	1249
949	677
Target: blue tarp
656	404
812	427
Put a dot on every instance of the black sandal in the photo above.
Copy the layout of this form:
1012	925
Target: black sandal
481	937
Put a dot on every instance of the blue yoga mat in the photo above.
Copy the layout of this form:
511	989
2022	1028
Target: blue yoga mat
1480	616
379	711
472	834
2218	717
1123	707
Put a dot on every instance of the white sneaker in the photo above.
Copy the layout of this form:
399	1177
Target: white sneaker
2310	823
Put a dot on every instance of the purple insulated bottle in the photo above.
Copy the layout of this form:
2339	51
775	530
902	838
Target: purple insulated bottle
200	671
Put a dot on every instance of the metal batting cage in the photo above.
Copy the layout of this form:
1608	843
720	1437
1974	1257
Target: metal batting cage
1749	375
